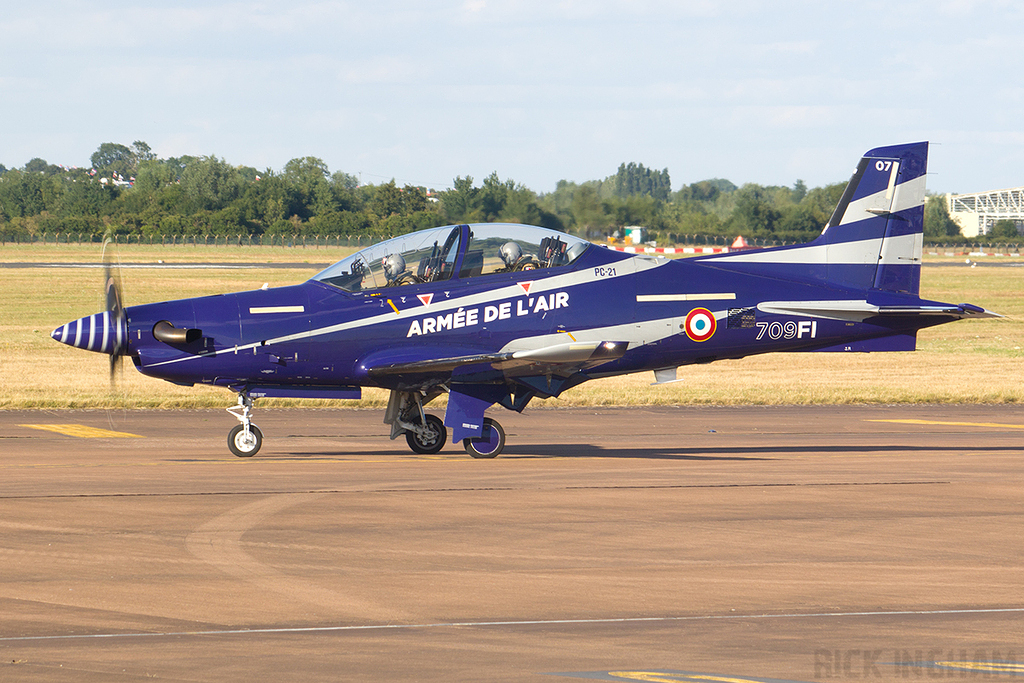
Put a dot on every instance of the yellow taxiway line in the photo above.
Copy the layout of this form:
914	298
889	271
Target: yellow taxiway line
83	431
952	424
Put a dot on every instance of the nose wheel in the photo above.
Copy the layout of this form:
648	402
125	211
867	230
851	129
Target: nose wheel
245	439
243	442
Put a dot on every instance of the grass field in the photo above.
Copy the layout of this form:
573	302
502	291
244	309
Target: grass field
144	253
964	362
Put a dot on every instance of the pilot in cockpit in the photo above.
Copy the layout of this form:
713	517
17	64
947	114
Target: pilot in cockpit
512	254
396	272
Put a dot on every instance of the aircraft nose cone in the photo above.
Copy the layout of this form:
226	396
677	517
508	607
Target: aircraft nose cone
100	332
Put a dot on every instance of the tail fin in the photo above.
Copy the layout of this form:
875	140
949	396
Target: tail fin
875	236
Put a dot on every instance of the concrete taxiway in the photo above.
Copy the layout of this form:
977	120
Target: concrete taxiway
657	544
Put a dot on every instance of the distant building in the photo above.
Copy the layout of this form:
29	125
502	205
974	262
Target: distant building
977	213
635	234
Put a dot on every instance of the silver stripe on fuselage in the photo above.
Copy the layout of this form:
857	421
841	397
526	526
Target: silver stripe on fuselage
635	265
908	195
722	296
643	332
844	253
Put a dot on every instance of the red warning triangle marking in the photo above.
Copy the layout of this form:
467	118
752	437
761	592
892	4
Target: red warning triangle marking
526	286
425	298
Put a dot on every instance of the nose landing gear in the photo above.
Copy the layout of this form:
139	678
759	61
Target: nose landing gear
244	440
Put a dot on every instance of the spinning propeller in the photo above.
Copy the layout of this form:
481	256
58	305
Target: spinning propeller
105	332
114	312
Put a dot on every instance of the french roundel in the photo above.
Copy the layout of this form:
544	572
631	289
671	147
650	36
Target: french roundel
700	324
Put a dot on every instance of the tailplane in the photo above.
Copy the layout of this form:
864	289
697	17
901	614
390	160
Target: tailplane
875	236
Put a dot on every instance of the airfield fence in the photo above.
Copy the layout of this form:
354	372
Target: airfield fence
358	241
240	240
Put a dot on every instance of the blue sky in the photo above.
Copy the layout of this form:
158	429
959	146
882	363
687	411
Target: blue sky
752	91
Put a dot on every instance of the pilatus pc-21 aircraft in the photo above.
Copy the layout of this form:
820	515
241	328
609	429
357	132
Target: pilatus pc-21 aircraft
501	314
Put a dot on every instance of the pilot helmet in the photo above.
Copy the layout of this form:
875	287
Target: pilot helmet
575	250
510	253
394	265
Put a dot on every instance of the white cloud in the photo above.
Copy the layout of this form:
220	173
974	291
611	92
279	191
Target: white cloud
538	90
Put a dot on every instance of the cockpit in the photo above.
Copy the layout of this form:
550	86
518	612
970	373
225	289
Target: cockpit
461	251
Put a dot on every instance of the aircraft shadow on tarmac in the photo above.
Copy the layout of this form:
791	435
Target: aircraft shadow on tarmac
556	451
523	452
738	453
734	452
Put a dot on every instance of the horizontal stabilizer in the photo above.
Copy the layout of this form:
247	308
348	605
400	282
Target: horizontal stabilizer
858	310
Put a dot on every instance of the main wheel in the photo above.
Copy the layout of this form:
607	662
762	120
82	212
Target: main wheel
488	445
245	445
433	441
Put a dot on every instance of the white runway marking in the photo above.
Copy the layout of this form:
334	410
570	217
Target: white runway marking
536	622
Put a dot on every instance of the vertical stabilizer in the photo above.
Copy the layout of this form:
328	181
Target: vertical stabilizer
874	238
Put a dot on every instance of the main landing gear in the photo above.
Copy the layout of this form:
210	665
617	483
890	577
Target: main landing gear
432	438
428	436
425	433
488	445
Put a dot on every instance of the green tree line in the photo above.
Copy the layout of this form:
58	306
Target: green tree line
128	191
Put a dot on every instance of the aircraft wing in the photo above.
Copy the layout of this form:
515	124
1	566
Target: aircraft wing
858	310
570	356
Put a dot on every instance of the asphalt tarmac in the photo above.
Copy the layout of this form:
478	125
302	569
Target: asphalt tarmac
653	544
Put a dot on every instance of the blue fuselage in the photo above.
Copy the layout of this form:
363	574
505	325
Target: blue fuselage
314	334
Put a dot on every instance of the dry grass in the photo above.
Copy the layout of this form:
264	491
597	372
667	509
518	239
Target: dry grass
144	253
964	362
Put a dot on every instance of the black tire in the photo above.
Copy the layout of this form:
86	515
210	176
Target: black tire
490	444
241	447
432	444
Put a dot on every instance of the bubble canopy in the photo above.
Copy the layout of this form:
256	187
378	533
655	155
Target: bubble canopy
453	252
